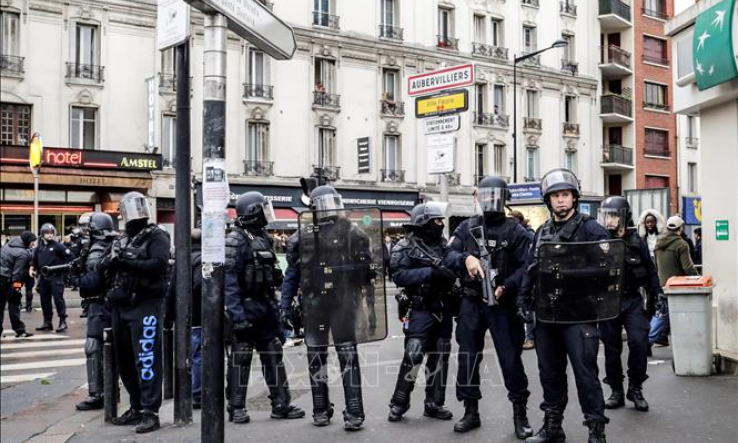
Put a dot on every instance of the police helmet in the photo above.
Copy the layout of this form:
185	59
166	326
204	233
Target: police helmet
134	206
326	201
559	180
492	194
424	213
253	208
84	221
101	225
48	228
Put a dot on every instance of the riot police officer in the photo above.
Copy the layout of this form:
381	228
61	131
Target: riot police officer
616	216
136	270
417	265
92	289
330	261
252	274
50	252
503	243
565	326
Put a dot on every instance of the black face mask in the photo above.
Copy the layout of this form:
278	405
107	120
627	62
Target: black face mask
494	218
133	227
431	232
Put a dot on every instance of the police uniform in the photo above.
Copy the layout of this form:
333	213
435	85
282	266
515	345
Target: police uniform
51	253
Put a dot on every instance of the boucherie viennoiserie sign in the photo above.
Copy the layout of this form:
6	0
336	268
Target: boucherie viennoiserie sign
85	159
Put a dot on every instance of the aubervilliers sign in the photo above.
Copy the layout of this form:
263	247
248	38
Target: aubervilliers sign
715	45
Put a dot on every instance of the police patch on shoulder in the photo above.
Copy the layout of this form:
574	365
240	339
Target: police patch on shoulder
451	240
67	251
605	247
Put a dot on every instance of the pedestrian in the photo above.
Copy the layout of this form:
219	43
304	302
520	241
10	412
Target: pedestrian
15	260
387	251
672	259
136	268
50	252
566	325
505	243
530	320
417	264
329	303
640	273
651	224
698	247
92	288
251	276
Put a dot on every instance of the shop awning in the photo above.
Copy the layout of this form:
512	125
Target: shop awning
395	219
47	208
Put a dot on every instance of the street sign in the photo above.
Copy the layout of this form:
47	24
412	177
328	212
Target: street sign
440	153
172	23
454	77
450	102
437	125
252	21
362	145
722	230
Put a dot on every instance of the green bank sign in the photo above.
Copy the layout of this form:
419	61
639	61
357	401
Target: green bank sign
715	45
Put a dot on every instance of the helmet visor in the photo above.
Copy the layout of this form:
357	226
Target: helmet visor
492	199
134	208
268	210
435	210
328	202
559	179
612	219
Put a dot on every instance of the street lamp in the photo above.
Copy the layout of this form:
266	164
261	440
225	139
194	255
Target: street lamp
560	43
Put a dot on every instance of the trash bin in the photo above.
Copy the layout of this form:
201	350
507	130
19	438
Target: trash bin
690	313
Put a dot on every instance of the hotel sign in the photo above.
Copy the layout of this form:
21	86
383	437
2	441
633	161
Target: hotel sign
84	159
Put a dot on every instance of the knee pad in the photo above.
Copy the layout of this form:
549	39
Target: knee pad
93	346
414	350
242	353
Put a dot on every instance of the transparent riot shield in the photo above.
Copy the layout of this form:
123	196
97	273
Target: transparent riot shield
343	291
580	282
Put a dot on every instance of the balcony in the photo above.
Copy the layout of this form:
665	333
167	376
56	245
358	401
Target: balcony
391	32
392	108
614	15
656	59
568	7
262	92
446	42
654	13
616	109
332	173
492	120
326	100
614	62
11	65
86	73
167	83
692	142
533	62
663	107
452	179
616	157
531	124
569	67
570	129
393	175
258	168
494	52
325	20
531	3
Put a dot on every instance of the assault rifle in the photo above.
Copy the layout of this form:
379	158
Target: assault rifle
488	282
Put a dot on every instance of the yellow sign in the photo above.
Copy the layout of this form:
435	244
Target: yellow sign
36	151
447	103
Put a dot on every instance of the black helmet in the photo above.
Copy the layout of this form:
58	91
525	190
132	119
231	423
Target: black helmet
101	225
615	213
559	180
48	227
424	213
327	201
134	206
253	208
492	194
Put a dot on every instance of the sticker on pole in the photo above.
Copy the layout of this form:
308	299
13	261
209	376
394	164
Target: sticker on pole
440	153
216	193
213	237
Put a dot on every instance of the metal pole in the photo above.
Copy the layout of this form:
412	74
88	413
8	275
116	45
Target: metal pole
183	245
213	147
443	181
515	119
35	200
167	361
110	377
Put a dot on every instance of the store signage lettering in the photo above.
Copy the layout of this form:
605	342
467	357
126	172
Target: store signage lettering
140	163
84	159
63	158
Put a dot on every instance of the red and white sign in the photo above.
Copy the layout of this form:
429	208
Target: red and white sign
453	77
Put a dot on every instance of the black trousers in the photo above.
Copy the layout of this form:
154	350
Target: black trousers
580	343
137	341
508	334
98	318
52	289
633	319
11	298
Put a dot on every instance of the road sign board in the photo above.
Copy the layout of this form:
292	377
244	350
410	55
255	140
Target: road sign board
453	77
437	125
172	23
440	153
449	102
252	21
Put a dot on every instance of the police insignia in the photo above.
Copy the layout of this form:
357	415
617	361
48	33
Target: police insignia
605	247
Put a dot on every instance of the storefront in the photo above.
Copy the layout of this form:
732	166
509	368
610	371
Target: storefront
71	182
527	199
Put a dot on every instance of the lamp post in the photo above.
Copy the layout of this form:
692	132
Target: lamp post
35	156
560	43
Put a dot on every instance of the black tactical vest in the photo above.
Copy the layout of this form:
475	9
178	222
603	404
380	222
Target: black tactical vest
636	274
259	273
499	241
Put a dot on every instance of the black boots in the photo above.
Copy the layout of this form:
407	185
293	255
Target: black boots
322	407
470	420
276	377
412	359
434	410
397	411
436	374
91	403
45	326
62	324
149	423
348	358
635	394
238	381
596	431
617	398
130	417
551	432
520	420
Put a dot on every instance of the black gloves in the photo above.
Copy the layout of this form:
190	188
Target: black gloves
285	317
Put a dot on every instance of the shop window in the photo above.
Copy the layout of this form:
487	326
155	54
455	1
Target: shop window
14	224
15	124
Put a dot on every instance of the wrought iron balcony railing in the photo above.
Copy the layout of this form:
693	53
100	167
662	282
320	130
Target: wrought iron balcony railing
446	42
167	82
570	67
617	154
571	129
332	173
496	52
657	106
616	104
657	13
534	61
533	3
693	142
391	107
265	92
391	32
614	55
79	71
326	20
493	120
326	100
533	124
257	167
393	175
11	64
568	7
615	7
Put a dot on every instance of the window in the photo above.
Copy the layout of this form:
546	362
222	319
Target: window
500	160
529	39
531	163
325	75
169	61
570	109
480	161
499	98
326	151
392	159
657	142
86	40
531	103
168	139
388	12
691	127
15	124
684	55
480	94
692	177
258	68
497	33
10	32
321	12
655	96
654	8
445	22
656	181
480	29
568	52
390	84
257	148
570	161
83	128
654	50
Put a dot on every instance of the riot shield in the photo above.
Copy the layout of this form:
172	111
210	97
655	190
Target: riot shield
580	282
343	292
